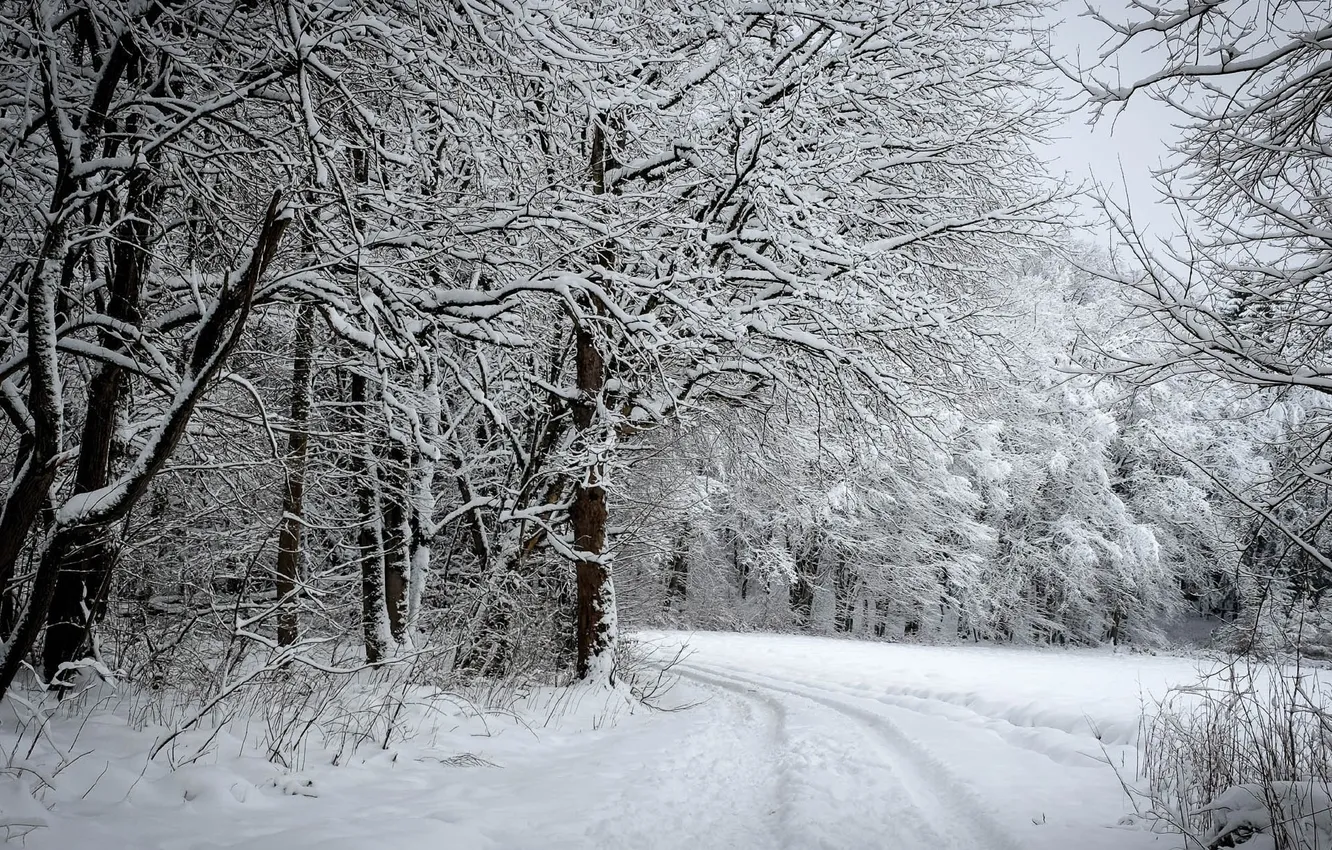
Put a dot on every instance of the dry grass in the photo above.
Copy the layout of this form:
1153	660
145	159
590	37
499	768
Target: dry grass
1256	725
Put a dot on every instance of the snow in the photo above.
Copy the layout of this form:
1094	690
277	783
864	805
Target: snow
1000	747
1306	807
775	742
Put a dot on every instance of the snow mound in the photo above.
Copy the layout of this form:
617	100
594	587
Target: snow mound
1253	815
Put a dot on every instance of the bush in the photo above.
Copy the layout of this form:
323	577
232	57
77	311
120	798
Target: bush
1242	758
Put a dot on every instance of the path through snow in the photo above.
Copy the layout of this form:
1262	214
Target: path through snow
945	747
792	743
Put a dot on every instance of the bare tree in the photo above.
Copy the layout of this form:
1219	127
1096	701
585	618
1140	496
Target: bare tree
1242	296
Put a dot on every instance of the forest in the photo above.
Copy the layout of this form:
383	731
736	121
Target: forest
456	342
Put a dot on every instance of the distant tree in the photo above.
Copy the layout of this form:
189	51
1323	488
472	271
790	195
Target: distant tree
1042	507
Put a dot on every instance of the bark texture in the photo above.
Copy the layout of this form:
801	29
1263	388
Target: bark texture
288	573
595	624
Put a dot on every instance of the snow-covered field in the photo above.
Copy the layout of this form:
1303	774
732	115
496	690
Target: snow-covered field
780	742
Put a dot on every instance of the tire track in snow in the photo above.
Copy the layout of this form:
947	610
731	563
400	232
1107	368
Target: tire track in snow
950	810
701	786
1058	745
809	785
1055	742
777	738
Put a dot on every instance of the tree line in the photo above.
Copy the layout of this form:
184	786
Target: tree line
394	325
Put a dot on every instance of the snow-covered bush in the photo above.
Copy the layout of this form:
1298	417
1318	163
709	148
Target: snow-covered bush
1242	758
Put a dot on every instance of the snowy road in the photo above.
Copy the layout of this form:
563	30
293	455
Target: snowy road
848	777
904	746
790	743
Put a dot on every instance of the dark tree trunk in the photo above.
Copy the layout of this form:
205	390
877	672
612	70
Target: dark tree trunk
396	539
807	575
588	513
369	538
844	586
41	444
293	492
588	516
10	598
677	574
741	565
84	558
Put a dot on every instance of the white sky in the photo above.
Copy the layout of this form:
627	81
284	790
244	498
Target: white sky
1121	153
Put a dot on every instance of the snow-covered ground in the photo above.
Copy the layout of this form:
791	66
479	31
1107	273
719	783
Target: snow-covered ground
780	742
971	746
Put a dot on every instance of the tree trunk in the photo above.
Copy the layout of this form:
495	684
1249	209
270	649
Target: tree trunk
83	557
86	556
595	624
844	596
32	482
588	514
422	528
677	574
396	538
288	574
806	579
370	536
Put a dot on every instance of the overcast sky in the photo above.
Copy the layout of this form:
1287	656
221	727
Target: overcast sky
1120	153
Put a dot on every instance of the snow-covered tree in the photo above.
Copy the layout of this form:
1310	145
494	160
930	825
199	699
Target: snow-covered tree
1046	507
774	198
1238	299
